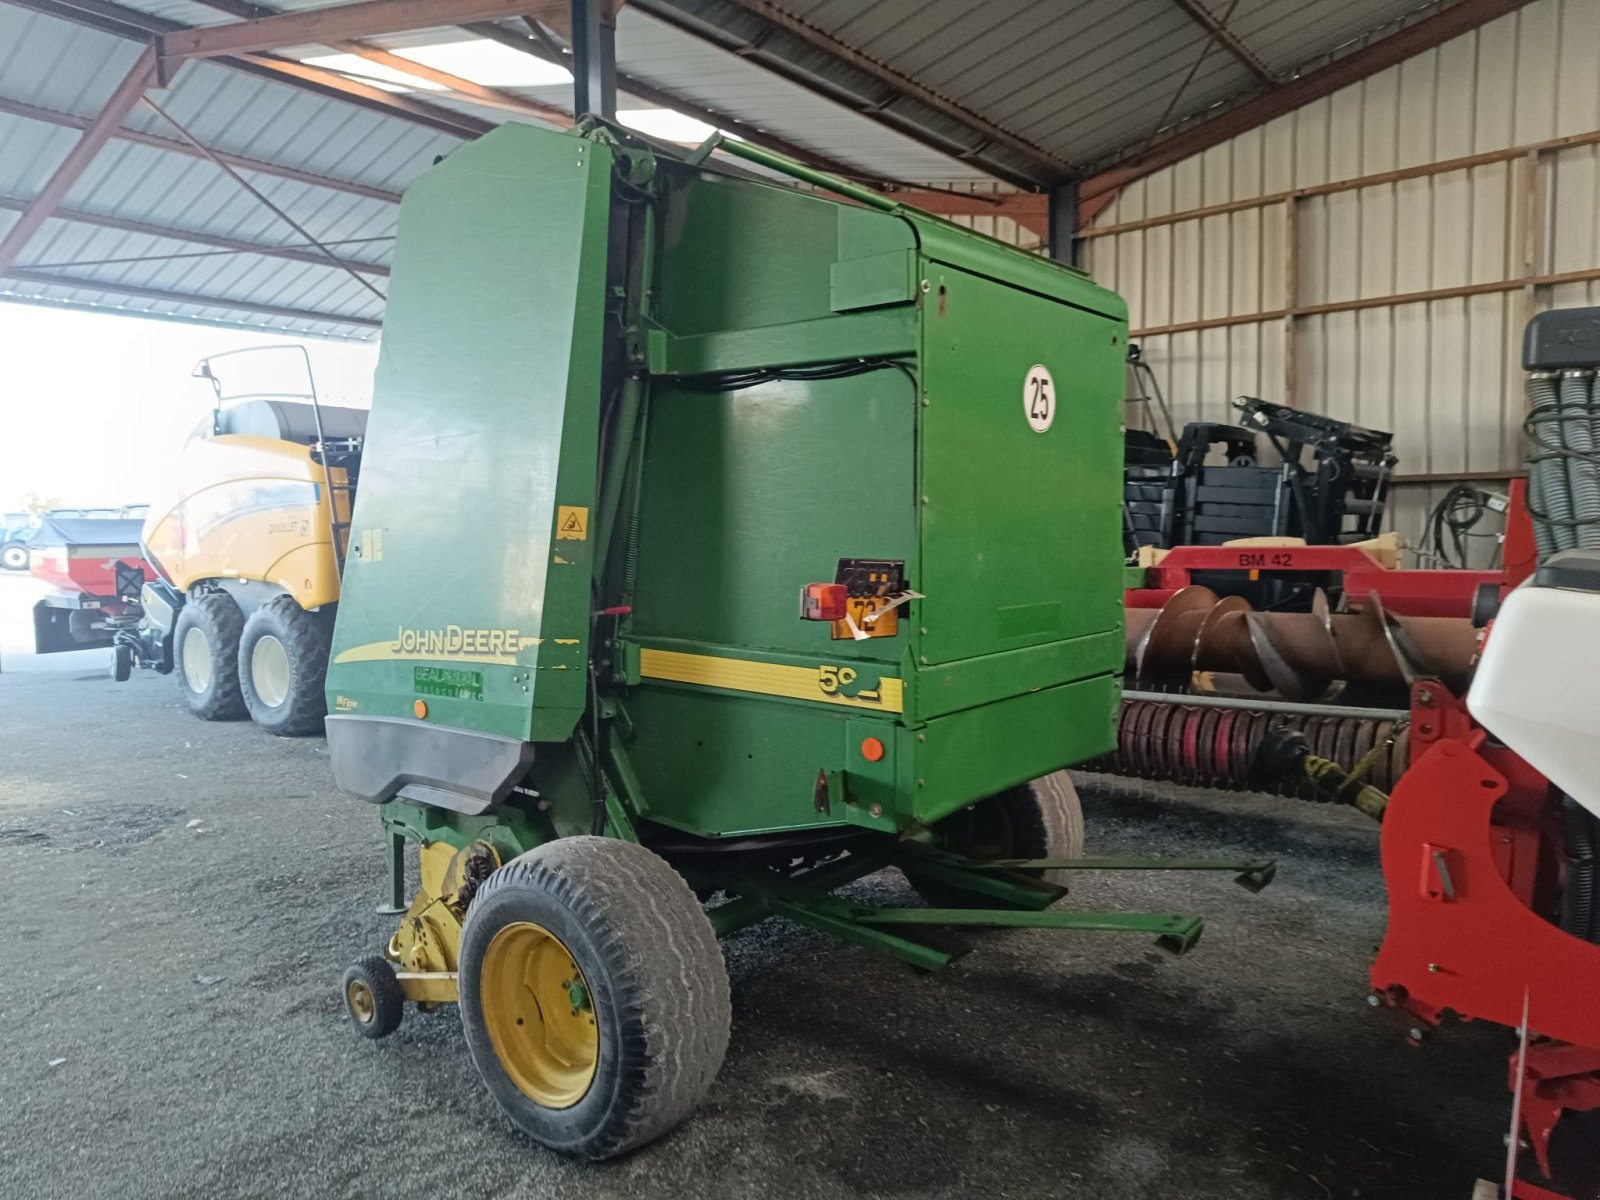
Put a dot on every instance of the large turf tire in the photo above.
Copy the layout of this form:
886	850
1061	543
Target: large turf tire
656	981
1042	819
14	556
212	688
291	703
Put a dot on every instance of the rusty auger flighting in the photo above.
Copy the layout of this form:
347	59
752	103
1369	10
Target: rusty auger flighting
1333	677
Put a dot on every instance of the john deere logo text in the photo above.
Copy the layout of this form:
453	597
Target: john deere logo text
453	639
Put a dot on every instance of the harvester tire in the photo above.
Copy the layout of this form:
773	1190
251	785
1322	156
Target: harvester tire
290	647
373	998
1041	819
648	1025
205	646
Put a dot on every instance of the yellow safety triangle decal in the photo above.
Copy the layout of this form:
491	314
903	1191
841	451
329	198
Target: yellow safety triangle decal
572	524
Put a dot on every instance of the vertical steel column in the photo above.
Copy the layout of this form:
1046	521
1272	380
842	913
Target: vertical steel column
594	59
1063	227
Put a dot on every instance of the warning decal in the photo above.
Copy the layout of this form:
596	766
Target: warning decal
572	524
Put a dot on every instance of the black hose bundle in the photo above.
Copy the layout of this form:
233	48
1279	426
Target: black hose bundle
1578	894
1563	425
739	380
1453	520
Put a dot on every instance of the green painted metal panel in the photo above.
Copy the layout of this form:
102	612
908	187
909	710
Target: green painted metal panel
749	495
885	333
1021	527
951	244
482	441
950	687
874	281
979	751
721	764
738	255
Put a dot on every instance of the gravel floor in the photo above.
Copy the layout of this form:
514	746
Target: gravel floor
184	896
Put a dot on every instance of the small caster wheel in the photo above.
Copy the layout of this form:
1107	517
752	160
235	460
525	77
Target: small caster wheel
121	663
372	997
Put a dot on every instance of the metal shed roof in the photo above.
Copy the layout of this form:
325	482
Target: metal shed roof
937	91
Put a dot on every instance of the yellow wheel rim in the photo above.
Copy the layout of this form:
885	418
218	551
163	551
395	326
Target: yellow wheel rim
359	996
539	1015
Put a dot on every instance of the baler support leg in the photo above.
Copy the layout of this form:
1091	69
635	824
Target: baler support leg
396	902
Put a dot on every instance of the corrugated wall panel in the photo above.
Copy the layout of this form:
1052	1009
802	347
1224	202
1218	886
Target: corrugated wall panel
1442	373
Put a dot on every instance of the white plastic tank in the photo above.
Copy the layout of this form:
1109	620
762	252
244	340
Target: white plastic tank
1537	688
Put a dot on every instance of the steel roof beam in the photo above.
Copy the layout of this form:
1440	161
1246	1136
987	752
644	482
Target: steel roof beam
903	85
854	96
195	237
1462	17
546	50
339	22
107	16
465	89
44	279
95	135
1202	16
50	116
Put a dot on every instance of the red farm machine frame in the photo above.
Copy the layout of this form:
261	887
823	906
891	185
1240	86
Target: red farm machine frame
1493	878
96	570
1463	696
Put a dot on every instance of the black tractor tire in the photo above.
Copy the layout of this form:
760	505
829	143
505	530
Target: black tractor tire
293	703
655	980
1041	819
373	999
14	556
212	689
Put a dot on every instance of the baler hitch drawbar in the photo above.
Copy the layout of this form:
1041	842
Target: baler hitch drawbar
1021	900
1001	894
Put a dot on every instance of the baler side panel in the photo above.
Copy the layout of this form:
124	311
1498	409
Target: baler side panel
1020	528
468	582
748	495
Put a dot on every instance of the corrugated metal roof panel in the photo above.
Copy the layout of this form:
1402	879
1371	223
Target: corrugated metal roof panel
29	152
62	66
711	78
59	65
263	119
1084	79
1078	78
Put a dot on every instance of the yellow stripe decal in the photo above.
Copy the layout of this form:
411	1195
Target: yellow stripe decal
826	684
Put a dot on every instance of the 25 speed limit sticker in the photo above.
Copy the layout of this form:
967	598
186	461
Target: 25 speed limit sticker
1039	398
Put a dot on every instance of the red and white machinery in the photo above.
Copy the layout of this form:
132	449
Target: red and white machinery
95	569
1489	851
1490	840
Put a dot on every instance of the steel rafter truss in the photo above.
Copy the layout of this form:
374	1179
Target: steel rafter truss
147	72
1262	106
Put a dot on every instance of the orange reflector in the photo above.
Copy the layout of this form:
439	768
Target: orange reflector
872	750
420	708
